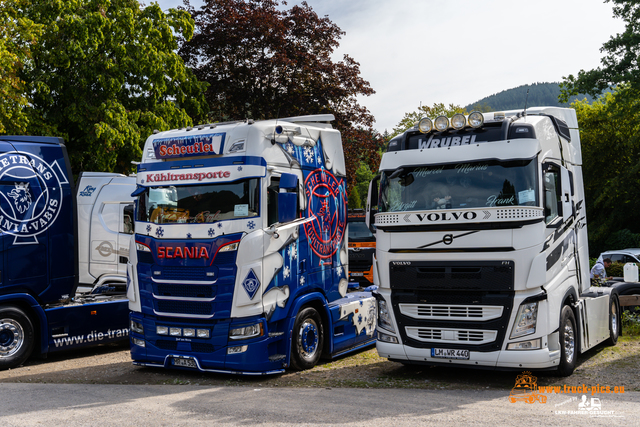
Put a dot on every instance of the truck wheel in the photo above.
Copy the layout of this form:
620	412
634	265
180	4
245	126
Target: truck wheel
308	337
568	341
614	320
16	337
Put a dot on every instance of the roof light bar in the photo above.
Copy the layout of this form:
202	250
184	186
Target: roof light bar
425	125
441	123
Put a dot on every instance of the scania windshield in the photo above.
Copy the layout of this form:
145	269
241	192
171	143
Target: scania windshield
460	185
199	203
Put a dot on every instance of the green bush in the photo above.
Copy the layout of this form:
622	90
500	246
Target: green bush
616	269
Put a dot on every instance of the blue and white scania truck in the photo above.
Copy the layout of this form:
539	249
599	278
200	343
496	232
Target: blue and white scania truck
481	256
240	262
55	239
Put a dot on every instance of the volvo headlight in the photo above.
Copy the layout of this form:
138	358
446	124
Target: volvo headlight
525	323
384	316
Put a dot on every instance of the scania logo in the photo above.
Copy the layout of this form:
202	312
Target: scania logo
32	201
447	216
182	252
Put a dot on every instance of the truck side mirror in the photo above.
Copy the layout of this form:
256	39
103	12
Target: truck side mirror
372	202
288	198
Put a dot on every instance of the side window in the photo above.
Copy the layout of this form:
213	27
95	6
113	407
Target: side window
127	219
552	192
272	201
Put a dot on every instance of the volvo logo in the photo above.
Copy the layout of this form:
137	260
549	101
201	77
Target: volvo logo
447	239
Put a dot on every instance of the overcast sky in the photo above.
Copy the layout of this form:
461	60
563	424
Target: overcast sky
460	51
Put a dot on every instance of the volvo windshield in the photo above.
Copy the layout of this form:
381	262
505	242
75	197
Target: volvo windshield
460	185
199	203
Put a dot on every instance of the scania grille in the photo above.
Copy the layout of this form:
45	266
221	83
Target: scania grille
185	274
192	308
184	291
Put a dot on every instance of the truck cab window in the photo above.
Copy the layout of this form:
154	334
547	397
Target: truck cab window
272	201
127	219
552	193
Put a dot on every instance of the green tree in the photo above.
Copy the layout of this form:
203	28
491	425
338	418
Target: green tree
263	60
17	34
412	118
620	63
105	74
611	164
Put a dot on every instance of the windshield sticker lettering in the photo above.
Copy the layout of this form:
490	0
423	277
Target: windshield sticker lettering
187	146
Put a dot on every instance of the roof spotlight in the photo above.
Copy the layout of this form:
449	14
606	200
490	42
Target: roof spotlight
441	123
476	119
425	125
458	121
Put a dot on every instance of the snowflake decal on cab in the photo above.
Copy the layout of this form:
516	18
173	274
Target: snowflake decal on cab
148	228
159	232
292	251
302	281
251	225
290	149
308	154
286	272
219	225
339	270
212	232
188	235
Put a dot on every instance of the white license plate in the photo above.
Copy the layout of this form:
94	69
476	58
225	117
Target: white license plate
449	353
357	274
184	362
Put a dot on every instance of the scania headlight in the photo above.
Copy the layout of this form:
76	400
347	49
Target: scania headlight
458	121
230	247
137	327
142	248
425	125
246	332
384	316
525	323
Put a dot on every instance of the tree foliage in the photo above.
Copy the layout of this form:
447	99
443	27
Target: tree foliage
620	63
264	61
438	109
17	34
104	74
611	165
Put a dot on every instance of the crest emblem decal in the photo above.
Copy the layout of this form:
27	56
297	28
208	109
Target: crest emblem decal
251	284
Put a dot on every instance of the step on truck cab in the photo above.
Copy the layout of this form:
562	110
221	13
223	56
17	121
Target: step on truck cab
239	263
481	255
40	311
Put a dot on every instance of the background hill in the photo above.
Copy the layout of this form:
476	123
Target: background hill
512	99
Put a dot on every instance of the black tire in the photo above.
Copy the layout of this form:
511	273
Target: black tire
16	337
307	340
568	342
614	321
